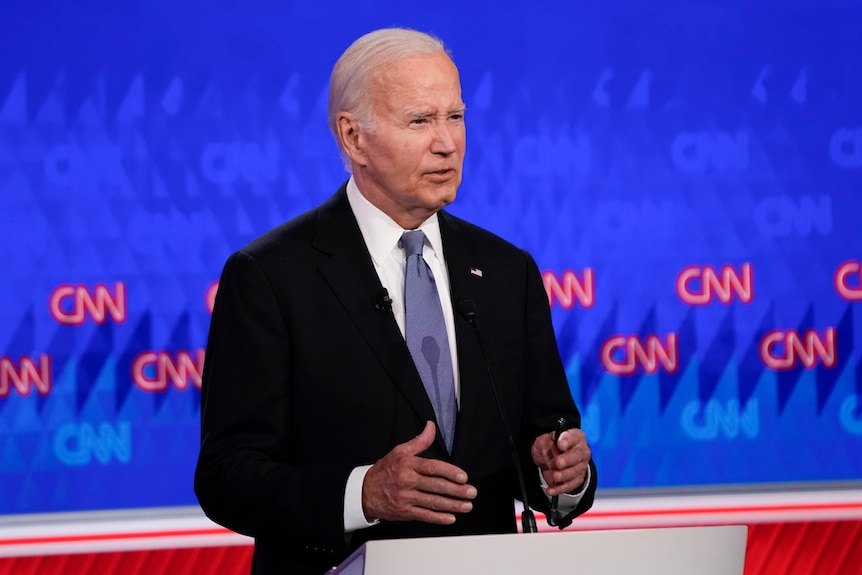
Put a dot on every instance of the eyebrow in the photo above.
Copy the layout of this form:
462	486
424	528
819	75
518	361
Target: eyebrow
426	114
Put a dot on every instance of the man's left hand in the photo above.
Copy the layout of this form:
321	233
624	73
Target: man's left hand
564	464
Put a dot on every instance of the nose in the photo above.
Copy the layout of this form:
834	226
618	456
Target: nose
445	139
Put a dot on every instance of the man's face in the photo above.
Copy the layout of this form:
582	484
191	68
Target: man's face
411	156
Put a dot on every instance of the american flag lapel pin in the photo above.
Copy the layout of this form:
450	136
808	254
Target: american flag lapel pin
476	272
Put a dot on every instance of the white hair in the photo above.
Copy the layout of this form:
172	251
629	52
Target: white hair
350	84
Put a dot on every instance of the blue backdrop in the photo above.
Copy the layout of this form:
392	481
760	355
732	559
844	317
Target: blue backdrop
688	176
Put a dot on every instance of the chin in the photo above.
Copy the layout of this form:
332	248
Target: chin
449	191
448	198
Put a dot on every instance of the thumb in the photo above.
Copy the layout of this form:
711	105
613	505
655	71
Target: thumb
422	441
570	438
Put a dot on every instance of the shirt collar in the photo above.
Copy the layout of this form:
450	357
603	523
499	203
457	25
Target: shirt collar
380	232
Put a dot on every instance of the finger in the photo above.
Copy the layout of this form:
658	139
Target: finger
577	455
428	516
442	503
432	508
567	481
543	450
571	438
568	467
435	508
441	469
436	486
422	441
424	514
561	476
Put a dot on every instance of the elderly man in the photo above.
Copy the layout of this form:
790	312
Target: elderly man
346	396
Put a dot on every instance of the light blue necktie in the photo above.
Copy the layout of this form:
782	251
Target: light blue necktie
426	335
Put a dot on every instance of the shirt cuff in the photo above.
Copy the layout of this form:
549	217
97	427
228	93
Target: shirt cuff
567	501
354	517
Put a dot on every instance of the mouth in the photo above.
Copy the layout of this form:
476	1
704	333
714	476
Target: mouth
444	173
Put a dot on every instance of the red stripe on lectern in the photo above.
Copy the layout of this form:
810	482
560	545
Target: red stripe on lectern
228	560
829	548
113	536
593	514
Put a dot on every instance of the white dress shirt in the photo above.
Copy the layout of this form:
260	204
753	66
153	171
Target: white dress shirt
381	235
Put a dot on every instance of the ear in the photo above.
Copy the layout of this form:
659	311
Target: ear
350	135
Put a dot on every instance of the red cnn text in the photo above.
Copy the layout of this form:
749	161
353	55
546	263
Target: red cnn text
843	275
570	288
153	371
783	350
25	375
72	305
697	285
623	355
211	296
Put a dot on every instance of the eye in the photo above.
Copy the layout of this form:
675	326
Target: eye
418	121
457	116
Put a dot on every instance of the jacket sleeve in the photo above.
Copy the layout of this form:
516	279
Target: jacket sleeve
547	393
246	477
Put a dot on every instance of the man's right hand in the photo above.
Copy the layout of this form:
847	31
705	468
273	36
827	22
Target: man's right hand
405	487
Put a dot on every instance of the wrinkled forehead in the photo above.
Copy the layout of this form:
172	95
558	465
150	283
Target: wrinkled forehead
433	77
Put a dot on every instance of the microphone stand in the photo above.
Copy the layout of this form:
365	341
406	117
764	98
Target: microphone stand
467	309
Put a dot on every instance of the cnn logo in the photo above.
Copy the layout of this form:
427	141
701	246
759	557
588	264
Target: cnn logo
72	305
624	355
697	285
784	350
153	371
570	289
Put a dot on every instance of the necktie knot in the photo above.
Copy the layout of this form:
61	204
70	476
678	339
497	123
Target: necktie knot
413	242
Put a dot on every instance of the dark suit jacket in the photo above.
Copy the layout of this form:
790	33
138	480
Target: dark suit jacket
305	380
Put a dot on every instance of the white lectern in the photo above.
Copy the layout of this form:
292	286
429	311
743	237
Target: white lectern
662	551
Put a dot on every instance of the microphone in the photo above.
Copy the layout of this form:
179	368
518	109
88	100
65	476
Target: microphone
384	302
555	519
467	309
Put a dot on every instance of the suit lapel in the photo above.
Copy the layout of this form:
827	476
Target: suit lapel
350	274
467	282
